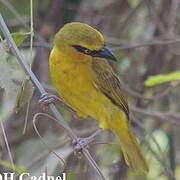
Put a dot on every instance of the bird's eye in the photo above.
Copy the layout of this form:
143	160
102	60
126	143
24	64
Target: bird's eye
87	51
83	49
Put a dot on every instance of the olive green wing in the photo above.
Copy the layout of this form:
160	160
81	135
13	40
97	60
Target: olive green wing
106	80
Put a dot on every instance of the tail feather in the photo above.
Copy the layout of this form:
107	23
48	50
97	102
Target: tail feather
132	152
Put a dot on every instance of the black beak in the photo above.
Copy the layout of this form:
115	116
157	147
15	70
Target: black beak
105	52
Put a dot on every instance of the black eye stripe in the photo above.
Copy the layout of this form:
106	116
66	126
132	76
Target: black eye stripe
85	50
80	48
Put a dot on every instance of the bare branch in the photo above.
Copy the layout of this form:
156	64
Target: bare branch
146	43
50	149
172	17
43	155
7	146
163	116
162	159
141	96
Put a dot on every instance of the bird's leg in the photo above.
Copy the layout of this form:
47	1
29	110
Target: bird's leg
47	99
84	142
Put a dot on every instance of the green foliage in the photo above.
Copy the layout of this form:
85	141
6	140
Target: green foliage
19	37
71	176
161	140
133	3
25	94
160	79
159	146
18	169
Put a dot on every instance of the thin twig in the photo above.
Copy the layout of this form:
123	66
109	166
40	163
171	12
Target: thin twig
89	157
167	171
31	28
164	116
154	15
13	10
22	21
49	148
120	44
26	117
147	43
172	17
141	96
7	146
130	15
37	44
44	154
15	23
39	87
162	161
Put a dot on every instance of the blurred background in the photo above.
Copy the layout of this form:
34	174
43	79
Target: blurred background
144	35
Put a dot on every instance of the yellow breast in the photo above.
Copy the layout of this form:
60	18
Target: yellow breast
74	83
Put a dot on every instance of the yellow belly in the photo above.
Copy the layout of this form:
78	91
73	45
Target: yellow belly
74	84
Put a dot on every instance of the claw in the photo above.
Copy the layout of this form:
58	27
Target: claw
47	99
81	143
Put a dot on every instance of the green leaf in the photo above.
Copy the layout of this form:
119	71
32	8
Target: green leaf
17	169
19	37
133	3
160	79
25	94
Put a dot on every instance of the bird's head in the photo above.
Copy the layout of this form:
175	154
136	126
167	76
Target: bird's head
82	42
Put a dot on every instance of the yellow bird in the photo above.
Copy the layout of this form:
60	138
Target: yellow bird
86	82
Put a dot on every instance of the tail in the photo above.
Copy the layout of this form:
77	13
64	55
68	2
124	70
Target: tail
132	152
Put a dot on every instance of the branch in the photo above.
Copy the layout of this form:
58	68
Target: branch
172	17
143	44
164	116
40	88
162	158
130	15
7	146
62	161
141	96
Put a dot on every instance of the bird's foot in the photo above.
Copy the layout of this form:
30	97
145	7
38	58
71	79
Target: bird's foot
47	99
81	143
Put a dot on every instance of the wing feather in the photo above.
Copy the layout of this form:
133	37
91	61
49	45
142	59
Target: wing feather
107	81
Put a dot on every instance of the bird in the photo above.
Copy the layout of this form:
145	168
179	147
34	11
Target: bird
85	81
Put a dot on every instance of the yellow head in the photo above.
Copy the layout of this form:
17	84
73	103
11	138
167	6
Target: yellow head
81	42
